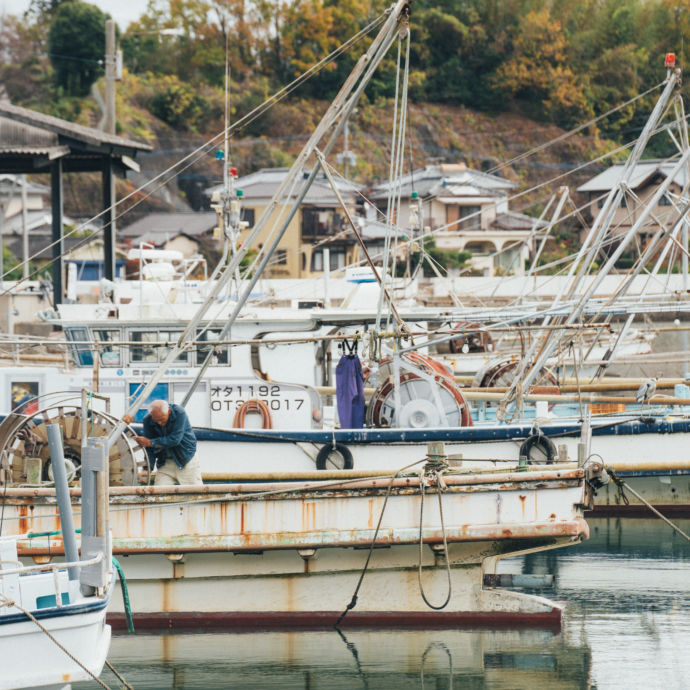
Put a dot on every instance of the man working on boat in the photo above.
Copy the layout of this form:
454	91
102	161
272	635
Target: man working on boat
170	444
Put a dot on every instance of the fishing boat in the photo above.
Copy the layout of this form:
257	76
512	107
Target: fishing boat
51	634
412	548
53	627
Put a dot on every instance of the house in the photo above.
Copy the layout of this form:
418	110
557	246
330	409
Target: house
643	184
319	223
37	196
469	211
184	232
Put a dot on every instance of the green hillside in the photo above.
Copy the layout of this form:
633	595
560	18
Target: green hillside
489	80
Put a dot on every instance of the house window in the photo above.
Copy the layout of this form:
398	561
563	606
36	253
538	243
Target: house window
247	215
470	217
280	257
624	202
336	259
665	201
600	202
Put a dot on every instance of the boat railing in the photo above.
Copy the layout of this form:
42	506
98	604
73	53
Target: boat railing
56	569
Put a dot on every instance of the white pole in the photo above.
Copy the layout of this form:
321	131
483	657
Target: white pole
326	276
25	232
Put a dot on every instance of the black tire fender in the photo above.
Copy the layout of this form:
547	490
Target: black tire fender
326	450
543	443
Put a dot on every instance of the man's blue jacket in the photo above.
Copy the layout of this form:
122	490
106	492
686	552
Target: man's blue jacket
175	438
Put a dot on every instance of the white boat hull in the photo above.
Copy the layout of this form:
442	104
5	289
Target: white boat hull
31	659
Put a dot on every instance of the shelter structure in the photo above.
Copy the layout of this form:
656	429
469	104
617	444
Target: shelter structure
31	143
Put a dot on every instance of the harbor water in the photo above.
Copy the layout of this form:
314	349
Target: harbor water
626	593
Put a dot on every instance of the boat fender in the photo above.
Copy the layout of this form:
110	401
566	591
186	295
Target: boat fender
331	448
543	444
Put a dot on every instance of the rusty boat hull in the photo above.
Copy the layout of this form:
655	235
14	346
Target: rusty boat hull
290	554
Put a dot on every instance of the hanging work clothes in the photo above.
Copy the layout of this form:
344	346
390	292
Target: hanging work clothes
349	392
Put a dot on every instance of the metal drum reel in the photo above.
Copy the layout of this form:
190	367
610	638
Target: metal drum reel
24	446
428	396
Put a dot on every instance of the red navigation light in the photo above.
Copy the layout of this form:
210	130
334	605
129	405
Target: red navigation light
670	60
233	172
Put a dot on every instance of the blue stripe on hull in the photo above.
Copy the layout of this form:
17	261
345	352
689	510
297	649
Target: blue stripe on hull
498	432
57	611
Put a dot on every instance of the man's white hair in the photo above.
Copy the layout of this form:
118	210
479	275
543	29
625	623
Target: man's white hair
161	405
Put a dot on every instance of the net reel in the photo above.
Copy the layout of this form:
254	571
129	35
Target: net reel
24	446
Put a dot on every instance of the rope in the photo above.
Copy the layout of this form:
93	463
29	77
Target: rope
624	485
118	675
8	602
353	600
433	468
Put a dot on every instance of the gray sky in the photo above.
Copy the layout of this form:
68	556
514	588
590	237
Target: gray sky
122	11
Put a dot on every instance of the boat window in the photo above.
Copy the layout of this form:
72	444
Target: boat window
150	349
24	396
220	352
110	354
81	354
171	337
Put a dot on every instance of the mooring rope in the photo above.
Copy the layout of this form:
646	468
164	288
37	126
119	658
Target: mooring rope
622	484
433	469
353	600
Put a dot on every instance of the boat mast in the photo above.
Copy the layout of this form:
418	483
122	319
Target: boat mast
530	366
334	118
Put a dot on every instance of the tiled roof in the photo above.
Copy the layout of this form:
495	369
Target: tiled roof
447	180
160	227
642	172
263	184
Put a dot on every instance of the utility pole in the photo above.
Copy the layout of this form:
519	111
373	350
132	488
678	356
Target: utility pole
113	71
110	76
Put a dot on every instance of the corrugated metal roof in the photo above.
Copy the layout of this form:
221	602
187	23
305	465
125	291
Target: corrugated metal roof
21	127
643	171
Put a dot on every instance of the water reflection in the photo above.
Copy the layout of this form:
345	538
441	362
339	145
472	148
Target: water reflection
356	659
626	624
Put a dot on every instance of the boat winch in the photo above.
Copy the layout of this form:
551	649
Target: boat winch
417	392
24	450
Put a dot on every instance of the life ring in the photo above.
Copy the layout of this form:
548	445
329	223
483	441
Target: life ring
543	444
253	405
330	449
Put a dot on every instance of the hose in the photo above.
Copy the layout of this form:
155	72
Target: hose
125	595
253	405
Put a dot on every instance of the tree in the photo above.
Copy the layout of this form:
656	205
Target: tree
539	71
76	42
